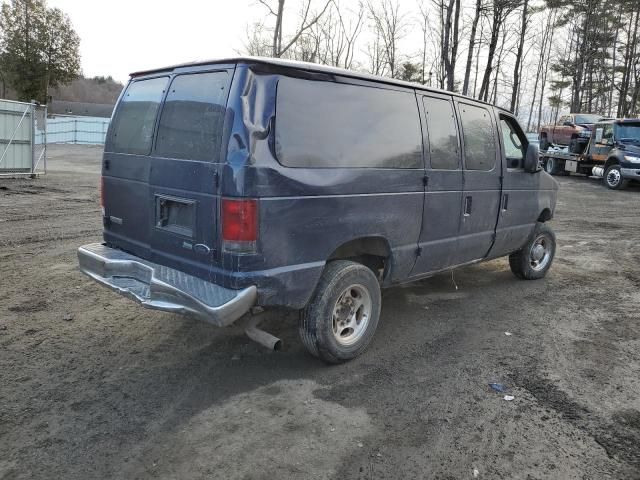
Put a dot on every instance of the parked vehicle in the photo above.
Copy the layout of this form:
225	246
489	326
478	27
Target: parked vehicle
573	130
613	153
268	183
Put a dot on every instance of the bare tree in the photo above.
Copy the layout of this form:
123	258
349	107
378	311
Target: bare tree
389	27
308	20
255	43
472	42
449	15
516	68
500	11
337	34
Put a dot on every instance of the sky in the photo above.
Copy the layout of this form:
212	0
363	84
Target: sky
118	37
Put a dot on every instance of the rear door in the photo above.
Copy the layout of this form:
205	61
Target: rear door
443	191
184	172
481	180
126	165
161	169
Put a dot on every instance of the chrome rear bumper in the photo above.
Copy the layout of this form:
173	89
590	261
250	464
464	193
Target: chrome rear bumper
163	288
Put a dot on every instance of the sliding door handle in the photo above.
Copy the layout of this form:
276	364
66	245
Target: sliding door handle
505	201
468	204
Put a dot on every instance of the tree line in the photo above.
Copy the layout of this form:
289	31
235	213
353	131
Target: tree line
536	58
38	49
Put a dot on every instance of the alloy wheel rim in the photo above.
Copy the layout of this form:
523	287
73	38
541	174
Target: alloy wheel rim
613	177
540	253
351	314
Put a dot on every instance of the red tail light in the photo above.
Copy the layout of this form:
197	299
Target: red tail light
239	225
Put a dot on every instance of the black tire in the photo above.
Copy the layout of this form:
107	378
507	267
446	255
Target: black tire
553	166
544	144
525	264
613	178
316	325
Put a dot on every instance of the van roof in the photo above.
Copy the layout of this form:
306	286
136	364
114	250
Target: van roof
313	67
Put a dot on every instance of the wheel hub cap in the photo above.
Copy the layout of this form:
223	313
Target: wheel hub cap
351	314
540	253
613	177
537	253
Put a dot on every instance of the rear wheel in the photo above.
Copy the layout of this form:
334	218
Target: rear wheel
613	178
553	166
536	256
342	317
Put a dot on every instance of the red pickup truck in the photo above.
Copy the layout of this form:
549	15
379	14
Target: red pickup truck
573	130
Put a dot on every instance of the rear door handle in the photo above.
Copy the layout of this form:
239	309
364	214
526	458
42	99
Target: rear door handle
505	201
468	203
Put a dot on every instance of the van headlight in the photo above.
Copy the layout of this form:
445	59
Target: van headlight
585	133
632	159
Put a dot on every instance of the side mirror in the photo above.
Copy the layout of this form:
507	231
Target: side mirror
532	159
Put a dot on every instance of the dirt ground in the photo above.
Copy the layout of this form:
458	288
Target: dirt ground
93	386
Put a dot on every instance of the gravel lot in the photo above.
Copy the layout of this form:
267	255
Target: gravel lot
93	386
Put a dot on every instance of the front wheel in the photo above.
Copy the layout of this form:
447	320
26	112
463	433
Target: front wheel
342	317
613	178
534	259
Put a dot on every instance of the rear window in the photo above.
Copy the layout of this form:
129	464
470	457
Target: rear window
588	118
325	124
135	118
479	138
192	117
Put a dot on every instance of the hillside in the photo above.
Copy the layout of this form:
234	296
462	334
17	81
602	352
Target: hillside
89	90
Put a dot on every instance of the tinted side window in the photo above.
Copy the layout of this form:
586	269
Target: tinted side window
325	124
192	117
479	137
443	133
134	121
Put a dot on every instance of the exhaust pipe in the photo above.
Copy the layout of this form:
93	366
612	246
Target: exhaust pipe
597	172
260	336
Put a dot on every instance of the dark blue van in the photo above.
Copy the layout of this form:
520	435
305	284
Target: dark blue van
254	182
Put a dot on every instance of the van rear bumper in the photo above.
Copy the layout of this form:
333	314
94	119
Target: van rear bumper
163	288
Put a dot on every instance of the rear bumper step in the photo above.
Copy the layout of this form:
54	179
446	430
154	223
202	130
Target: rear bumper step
163	288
